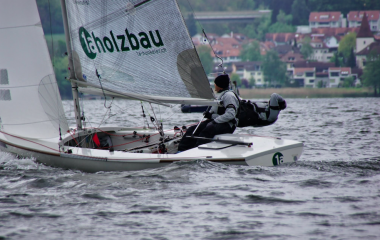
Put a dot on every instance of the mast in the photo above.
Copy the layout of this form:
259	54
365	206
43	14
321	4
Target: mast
74	85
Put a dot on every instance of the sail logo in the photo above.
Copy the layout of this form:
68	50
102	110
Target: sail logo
93	45
82	2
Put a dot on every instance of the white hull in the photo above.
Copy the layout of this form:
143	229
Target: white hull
265	151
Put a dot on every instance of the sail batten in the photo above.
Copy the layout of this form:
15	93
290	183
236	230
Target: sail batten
142	47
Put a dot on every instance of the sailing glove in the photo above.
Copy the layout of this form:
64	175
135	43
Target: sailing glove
207	115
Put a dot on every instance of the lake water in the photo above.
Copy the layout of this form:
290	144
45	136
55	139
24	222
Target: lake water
332	192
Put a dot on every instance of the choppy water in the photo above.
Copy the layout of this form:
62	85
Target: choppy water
333	192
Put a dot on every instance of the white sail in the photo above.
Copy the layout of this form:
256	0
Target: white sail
135	46
30	103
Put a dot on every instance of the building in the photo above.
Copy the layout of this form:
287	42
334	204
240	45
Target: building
326	19
290	58
304	77
355	19
338	74
361	57
249	70
281	38
227	48
365	36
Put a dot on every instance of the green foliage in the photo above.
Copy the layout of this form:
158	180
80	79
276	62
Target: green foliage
348	82
347	43
283	24
300	13
281	28
51	16
371	72
351	61
258	28
252	81
235	77
251	52
204	53
306	49
321	84
338	60
274	69
191	25
60	69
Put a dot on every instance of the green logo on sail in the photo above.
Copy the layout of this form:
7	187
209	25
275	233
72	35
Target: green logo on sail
93	45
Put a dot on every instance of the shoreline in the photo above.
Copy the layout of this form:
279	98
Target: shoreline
306	92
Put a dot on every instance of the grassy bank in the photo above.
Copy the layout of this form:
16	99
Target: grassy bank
306	92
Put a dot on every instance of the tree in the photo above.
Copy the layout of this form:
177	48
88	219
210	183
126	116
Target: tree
348	82
347	43
252	81
235	77
191	25
351	61
258	28
300	13
274	69
371	72
51	16
306	49
204	53
283	24
61	72
251	52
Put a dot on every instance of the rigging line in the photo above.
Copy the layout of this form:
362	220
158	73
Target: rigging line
107	112
203	30
154	117
216	55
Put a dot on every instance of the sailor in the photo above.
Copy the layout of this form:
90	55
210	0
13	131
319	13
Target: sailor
220	119
266	112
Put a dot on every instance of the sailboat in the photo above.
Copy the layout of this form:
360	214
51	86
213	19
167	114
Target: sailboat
136	49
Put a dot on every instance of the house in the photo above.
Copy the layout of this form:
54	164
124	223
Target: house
290	58
361	57
321	51
304	77
281	38
199	39
321	73
338	74
365	36
248	70
284	49
227	48
355	19
326	19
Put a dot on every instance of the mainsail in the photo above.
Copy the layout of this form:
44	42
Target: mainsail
140	47
30	103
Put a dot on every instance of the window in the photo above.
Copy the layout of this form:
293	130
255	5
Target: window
259	80
334	74
258	73
4	76
309	74
311	80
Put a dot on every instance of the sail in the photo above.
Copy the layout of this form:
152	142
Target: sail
136	46
30	103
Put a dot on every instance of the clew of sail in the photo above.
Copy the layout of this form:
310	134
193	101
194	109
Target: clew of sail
135	47
30	103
